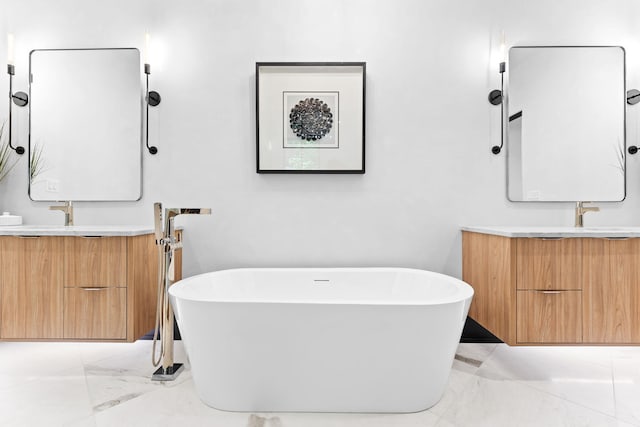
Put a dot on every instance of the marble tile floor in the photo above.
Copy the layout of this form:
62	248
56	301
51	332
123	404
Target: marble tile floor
108	384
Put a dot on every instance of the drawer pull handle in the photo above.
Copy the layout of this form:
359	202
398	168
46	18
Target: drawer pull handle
550	292
28	237
93	289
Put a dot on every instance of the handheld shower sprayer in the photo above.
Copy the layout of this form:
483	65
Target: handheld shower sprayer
167	242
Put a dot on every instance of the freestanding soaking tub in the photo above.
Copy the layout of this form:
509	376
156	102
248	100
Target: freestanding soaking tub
321	340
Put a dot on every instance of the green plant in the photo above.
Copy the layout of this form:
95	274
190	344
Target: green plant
6	161
36	162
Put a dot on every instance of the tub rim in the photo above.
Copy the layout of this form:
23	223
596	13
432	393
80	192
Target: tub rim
464	291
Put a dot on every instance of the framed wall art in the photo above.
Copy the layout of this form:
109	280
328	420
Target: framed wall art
310	117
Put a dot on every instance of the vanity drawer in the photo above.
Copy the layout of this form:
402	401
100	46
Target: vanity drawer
95	313
549	264
549	316
95	262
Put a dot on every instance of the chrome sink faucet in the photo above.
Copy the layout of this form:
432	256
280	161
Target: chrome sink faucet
581	210
67	208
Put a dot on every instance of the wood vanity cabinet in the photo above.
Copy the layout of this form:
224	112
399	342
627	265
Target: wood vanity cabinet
78	288
554	291
31	276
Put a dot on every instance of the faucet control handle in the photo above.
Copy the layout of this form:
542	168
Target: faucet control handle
191	211
589	208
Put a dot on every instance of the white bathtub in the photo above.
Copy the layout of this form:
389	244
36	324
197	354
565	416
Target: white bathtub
321	340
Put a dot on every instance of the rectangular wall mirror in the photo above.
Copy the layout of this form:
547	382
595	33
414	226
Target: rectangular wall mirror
565	124
85	125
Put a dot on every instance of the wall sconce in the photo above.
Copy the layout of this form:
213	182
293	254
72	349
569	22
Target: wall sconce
152	97
633	97
19	98
495	96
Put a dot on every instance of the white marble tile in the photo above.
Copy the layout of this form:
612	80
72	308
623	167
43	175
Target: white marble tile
525	363
460	379
51	400
497	403
21	362
96	384
626	375
628	352
167	406
82	422
180	405
126	375
579	374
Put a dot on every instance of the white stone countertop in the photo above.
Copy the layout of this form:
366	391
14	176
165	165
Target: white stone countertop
75	230
614	232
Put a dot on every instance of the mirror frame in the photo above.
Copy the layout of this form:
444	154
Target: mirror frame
141	125
505	120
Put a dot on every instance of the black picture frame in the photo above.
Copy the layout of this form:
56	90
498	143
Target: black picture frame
340	87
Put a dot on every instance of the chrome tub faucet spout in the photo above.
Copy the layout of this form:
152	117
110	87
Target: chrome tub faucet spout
67	208
581	210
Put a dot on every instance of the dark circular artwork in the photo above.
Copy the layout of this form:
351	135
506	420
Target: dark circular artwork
311	119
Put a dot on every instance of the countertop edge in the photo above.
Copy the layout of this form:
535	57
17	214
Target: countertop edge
78	231
621	232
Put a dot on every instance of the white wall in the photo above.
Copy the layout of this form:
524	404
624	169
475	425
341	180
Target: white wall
429	126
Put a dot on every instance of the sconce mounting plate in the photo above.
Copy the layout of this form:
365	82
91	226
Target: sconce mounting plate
495	97
154	98
20	99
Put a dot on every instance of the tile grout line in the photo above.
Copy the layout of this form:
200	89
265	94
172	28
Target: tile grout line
86	385
613	386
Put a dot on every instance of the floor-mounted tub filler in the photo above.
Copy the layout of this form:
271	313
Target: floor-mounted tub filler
321	340
167	243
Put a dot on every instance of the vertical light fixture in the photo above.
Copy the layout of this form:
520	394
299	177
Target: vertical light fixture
10	50
19	98
152	97
496	95
503	53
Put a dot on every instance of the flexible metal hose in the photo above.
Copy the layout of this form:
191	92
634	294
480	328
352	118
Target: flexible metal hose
160	306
